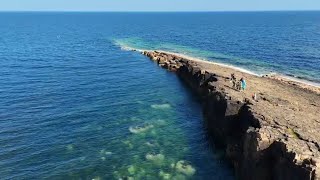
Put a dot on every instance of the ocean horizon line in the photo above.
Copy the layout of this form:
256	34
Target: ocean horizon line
214	11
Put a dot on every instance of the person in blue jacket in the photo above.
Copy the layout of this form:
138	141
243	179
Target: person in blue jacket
243	84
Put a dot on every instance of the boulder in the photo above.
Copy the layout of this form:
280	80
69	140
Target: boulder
161	60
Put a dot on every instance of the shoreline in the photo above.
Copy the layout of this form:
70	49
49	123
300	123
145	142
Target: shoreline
273	134
303	83
274	75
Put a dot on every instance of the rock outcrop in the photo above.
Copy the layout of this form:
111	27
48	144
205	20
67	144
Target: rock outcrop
258	146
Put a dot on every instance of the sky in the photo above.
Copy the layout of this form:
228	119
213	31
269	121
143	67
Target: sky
158	5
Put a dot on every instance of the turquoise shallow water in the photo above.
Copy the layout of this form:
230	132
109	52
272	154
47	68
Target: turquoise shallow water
286	43
75	106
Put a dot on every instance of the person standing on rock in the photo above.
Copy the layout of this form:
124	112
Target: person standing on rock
233	80
243	84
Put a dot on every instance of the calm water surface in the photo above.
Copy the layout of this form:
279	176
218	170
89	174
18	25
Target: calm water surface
75	106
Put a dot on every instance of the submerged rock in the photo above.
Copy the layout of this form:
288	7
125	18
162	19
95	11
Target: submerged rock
153	132
164	175
172	165
152	143
131	170
70	147
128	143
104	152
185	168
108	153
179	177
161	122
96	178
126	178
140	128
155	158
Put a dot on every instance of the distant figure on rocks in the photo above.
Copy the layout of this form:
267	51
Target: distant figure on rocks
238	85
254	96
243	84
233	80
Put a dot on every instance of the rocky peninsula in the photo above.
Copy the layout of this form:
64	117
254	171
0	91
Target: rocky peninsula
272	136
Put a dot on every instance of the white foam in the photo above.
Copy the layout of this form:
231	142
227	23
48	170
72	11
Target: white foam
161	106
302	81
128	48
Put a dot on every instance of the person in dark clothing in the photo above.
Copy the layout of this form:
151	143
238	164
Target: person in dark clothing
233	80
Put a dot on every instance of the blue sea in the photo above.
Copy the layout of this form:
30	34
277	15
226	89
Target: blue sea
75	105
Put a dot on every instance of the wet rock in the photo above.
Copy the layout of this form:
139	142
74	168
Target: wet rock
161	60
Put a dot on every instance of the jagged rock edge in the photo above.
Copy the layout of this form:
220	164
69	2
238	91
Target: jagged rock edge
256	150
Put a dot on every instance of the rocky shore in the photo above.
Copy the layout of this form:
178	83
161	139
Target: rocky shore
275	136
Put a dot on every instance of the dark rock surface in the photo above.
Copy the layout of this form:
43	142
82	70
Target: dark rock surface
257	147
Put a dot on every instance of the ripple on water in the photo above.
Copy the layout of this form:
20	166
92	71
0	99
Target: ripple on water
140	128
161	106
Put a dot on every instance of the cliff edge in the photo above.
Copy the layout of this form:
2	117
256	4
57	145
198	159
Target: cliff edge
274	136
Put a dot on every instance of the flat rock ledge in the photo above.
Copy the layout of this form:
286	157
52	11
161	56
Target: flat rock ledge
259	142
